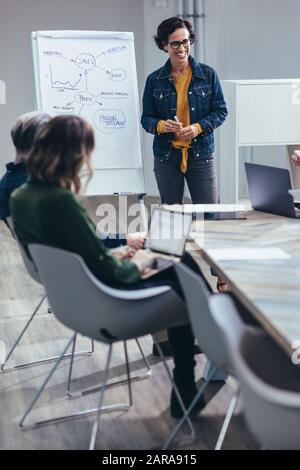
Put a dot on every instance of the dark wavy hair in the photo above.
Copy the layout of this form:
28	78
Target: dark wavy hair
168	27
60	150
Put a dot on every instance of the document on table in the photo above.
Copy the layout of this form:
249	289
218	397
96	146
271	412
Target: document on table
249	253
202	208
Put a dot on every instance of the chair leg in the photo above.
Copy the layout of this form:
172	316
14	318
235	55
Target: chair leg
229	414
128	373
148	367
3	369
191	436
213	370
134	378
38	394
220	375
101	398
76	415
68	391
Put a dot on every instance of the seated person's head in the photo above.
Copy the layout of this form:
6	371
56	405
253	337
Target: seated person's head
60	150
24	132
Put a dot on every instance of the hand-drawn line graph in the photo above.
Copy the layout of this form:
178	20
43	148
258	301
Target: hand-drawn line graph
63	85
105	120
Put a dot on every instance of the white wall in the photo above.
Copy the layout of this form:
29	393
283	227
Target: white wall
18	18
254	39
153	59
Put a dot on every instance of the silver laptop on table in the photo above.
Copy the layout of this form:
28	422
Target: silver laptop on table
167	234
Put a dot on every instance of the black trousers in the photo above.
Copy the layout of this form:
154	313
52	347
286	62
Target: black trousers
201	178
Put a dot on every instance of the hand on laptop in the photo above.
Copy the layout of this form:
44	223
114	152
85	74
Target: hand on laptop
296	157
136	240
123	252
143	260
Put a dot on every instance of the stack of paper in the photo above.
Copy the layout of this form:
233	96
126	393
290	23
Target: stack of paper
249	253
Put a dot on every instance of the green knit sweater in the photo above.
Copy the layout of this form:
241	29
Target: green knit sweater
47	214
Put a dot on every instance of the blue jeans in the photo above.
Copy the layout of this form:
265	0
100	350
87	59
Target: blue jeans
201	178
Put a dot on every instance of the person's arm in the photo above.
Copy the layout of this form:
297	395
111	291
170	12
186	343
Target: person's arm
119	239
4	198
135	241
8	184
149	119
218	110
296	157
75	232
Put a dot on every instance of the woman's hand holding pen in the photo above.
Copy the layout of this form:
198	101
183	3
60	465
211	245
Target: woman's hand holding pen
181	133
172	126
187	133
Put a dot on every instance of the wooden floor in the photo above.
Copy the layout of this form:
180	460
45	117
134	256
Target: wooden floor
144	426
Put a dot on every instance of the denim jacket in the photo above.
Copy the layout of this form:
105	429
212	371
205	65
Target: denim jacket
206	106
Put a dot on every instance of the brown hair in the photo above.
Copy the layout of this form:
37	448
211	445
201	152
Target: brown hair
168	27
25	129
60	150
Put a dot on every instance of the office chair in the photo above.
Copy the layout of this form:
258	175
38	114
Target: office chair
110	315
207	334
269	381
33	273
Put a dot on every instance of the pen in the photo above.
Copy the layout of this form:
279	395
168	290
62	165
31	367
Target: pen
176	119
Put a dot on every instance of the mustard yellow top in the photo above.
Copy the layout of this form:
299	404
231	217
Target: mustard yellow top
182	85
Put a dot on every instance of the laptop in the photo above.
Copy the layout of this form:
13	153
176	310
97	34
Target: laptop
167	235
269	190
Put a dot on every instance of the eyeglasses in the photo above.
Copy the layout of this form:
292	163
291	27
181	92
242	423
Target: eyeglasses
177	44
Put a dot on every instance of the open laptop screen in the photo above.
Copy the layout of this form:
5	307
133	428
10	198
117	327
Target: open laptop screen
269	189
168	231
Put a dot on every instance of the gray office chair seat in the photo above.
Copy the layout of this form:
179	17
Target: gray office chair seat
89	307
269	381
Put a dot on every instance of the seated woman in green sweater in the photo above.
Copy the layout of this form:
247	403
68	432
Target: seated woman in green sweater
45	210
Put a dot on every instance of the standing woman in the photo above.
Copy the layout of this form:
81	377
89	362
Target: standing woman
182	106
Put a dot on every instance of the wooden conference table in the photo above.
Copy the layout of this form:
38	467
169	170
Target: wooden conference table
269	288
